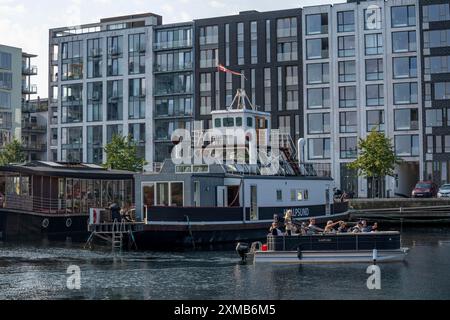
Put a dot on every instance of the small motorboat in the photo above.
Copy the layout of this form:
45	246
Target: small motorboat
326	248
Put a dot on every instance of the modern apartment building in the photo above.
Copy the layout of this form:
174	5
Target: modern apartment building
101	84
264	46
435	60
173	85
10	94
34	129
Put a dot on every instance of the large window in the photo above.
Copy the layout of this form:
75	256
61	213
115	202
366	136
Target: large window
347	71
72	60
209	35
433	118
95	58
318	73
346	21
287	51
405	93
254	41
348	122
317	48
287	27
404	41
318	123
375	120
72	103
173	61
173	107
405	67
317	24
137	134
5	100
267	89
403	16
436	12
436	38
113	130
436	65
5	60
6	80
167	39
240	43
115	56
407	145
347	97
173	84
349	147
114	108
346	46
136	100
442	91
209	58
374	69
95	101
95	144
136	53
374	44
72	144
318	98
375	95
319	148
406	119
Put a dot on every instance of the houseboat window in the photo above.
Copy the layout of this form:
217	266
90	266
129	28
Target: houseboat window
250	122
162	194
183	169
202	168
279	195
239	122
176	193
148	196
76	196
218	123
299	195
228	122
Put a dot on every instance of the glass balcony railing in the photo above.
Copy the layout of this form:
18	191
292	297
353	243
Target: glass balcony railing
174	68
29	89
172	44
30	70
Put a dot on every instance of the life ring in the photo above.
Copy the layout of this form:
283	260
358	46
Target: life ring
45	223
68	223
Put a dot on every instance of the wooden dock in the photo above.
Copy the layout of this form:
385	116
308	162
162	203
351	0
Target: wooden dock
115	233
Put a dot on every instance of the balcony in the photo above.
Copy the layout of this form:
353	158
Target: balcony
176	68
172	44
36	147
29	70
33	127
33	107
29	89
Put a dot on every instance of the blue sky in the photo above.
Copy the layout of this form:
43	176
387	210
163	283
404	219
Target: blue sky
25	23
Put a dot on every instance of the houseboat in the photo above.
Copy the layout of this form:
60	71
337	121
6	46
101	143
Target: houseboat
49	200
230	201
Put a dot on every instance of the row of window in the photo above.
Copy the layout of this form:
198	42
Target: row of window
404	120
5	60
438	144
296	195
319	148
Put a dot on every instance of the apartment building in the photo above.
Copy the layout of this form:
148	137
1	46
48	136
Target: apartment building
101	84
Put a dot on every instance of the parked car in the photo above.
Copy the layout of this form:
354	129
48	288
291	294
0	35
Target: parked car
444	191
425	189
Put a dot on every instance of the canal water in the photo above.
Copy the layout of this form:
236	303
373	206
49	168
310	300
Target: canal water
40	272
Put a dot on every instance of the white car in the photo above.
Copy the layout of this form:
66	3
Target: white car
444	191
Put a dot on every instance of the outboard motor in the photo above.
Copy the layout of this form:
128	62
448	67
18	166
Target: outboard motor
243	249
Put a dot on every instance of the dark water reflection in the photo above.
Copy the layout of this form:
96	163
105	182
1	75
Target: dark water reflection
39	272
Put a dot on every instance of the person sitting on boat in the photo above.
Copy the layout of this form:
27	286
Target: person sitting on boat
375	227
329	228
312	228
343	228
288	223
365	227
358	228
274	230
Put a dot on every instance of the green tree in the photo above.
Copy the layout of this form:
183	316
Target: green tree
121	154
376	159
12	153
